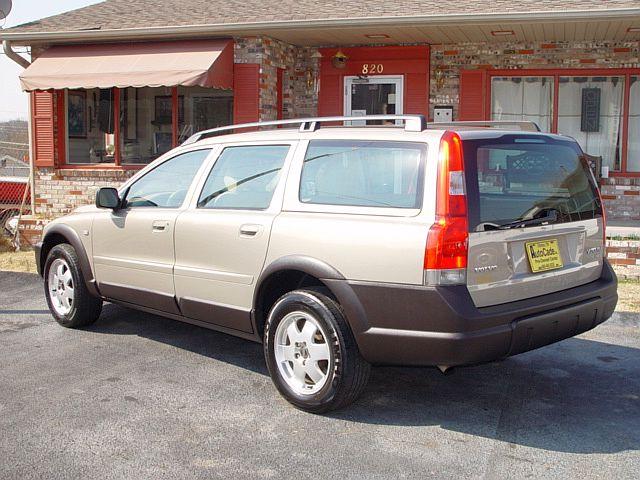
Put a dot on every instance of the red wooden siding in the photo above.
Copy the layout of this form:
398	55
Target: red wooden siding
472	95
416	93
42	126
246	93
331	96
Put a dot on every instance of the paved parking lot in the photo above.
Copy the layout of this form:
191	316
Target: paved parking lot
139	396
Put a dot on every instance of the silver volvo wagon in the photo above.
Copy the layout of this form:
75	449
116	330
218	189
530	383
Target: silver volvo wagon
340	247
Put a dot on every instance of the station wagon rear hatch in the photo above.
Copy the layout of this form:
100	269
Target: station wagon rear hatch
535	217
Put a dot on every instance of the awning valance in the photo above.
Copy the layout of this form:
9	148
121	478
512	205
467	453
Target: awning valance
205	63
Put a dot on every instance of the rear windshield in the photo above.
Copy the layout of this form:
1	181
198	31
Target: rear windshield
515	178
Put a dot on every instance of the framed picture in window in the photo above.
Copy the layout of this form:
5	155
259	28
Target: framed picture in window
163	110
77	114
590	116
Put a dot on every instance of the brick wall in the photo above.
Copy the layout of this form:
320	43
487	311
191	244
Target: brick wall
621	197
300	95
58	191
624	252
30	229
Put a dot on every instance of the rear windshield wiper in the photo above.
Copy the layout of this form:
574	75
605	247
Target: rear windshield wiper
550	217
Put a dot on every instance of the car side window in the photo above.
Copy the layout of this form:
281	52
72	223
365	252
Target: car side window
244	177
363	173
166	185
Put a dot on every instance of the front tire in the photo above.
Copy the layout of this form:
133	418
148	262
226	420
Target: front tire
69	301
311	353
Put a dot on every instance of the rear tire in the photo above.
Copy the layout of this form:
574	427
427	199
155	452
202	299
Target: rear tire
311	353
69	301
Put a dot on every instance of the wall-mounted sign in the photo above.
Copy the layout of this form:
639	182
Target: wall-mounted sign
590	117
372	69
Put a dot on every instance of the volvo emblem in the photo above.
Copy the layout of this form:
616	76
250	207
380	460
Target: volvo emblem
486	268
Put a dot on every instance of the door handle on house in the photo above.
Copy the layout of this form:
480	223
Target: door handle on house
160	225
250	230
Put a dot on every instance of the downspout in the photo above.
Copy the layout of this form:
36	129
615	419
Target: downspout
24	63
32	167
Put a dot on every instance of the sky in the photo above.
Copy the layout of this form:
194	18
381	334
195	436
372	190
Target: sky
13	102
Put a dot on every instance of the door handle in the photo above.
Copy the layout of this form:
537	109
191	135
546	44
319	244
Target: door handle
159	225
250	230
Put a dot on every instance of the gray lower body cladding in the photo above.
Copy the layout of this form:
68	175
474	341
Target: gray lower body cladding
37	249
414	325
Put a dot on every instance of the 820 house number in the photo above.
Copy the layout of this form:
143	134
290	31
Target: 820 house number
372	68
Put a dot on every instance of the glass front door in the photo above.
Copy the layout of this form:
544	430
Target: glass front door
375	95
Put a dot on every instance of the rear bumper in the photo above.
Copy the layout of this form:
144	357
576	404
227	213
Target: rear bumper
441	326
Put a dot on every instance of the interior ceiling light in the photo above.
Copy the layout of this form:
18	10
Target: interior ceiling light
377	35
633	29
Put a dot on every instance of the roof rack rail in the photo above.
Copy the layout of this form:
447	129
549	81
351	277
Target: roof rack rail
525	126
412	123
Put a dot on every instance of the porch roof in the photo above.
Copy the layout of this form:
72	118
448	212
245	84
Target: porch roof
309	22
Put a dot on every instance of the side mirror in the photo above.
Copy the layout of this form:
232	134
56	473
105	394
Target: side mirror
107	197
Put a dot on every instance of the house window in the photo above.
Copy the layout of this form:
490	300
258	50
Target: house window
523	99
600	108
203	108
590	110
151	121
145	124
90	126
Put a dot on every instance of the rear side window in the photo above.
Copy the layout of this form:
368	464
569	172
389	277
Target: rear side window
520	178
244	178
363	173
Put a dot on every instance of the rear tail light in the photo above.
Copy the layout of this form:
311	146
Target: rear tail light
445	259
604	212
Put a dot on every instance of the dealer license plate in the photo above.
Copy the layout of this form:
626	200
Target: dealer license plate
543	255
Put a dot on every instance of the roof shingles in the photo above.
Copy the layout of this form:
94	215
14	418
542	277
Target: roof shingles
123	14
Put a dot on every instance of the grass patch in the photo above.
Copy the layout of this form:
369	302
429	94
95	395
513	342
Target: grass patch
628	296
12	261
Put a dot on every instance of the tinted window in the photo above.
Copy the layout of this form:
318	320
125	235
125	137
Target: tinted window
363	173
244	177
166	185
513	178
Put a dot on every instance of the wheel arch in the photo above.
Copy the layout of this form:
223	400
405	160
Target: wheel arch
60	233
299	271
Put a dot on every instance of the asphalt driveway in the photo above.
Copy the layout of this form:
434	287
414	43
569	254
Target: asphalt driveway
139	396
